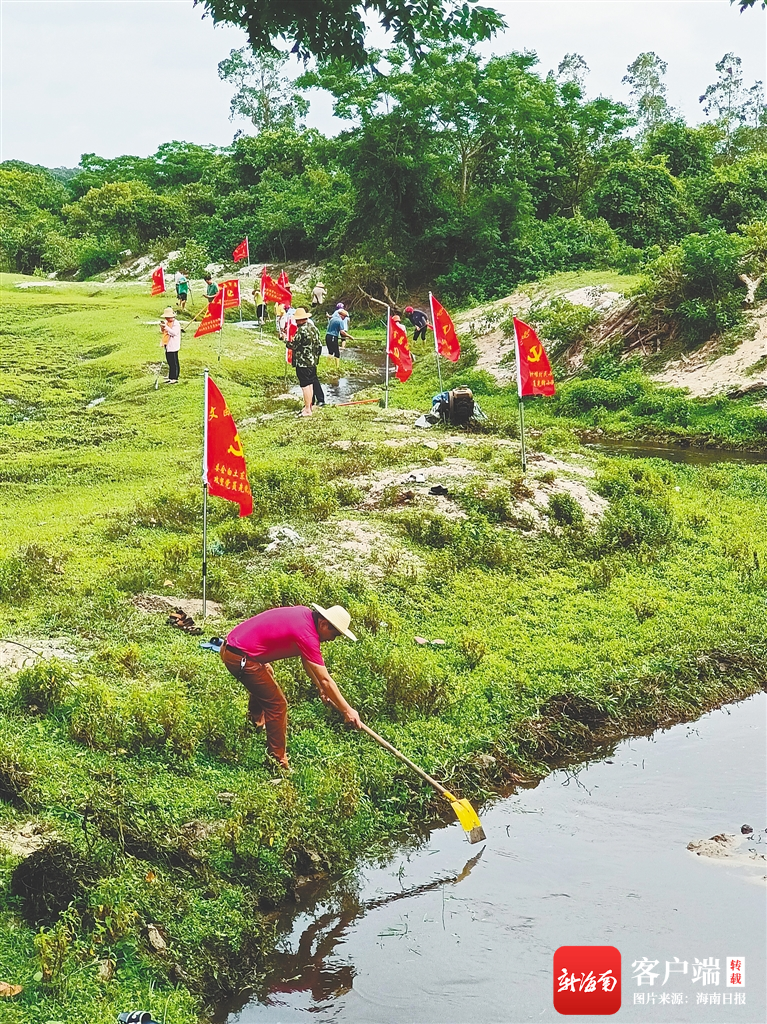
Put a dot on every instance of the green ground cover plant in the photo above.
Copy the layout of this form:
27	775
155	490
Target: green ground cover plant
167	839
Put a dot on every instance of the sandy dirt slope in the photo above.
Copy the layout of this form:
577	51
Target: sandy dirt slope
483	323
704	375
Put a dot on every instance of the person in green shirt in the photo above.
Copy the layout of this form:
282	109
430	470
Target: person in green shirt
211	288
307	348
182	289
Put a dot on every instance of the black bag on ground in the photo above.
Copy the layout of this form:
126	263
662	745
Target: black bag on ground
460	406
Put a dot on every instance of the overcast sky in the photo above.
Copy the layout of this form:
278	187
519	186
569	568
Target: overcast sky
122	76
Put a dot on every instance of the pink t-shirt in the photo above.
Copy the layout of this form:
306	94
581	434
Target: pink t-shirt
279	633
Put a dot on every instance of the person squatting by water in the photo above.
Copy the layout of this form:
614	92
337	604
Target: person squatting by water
279	633
420	322
337	329
307	349
170	331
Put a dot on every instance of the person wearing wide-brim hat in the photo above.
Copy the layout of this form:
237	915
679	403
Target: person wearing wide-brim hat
170	332
307	349
318	295
297	632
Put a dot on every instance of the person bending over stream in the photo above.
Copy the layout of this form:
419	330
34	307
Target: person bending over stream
281	633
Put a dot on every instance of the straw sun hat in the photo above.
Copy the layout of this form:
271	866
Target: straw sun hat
338	617
167	312
301	314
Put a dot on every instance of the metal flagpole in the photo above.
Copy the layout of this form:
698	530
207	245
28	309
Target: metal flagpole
388	327
205	496
521	401
221	327
436	345
239	296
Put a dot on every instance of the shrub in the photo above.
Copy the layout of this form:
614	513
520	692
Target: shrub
564	510
563	322
168	512
95	255
347	493
159	718
411	686
16	773
49	880
635	524
579	396
696	283
193	259
41	687
26	572
242	535
285	490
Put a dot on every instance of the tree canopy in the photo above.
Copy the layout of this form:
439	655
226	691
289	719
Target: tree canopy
336	28
471	173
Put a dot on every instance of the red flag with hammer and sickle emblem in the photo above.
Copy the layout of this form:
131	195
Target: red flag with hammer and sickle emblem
231	290
241	252
398	350
158	281
272	291
225	472
445	339
534	376
214	316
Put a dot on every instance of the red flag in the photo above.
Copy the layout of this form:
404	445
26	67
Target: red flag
224	469
231	290
241	252
534	376
398	351
445	338
213	320
273	291
283	280
158	281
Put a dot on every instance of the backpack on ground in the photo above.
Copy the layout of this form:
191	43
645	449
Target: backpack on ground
460	406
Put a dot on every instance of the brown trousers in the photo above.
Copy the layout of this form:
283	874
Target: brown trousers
266	698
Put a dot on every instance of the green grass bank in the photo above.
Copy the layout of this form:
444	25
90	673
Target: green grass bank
593	598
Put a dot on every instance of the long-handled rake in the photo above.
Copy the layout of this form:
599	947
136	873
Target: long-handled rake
465	813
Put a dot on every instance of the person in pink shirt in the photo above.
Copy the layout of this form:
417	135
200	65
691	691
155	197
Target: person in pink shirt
278	633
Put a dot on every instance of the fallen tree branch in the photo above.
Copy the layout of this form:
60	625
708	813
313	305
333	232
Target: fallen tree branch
371	299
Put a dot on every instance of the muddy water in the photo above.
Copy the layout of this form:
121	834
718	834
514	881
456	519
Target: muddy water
596	856
358	370
675	453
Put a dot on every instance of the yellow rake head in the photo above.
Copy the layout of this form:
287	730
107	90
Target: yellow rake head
468	818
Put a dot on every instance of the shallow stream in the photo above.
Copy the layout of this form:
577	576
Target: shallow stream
597	855
358	370
675	453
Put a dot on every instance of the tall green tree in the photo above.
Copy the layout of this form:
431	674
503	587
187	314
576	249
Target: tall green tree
263	93
644	76
734	106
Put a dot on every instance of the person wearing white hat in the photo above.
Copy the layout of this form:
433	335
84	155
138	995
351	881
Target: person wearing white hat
278	633
170	330
318	295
